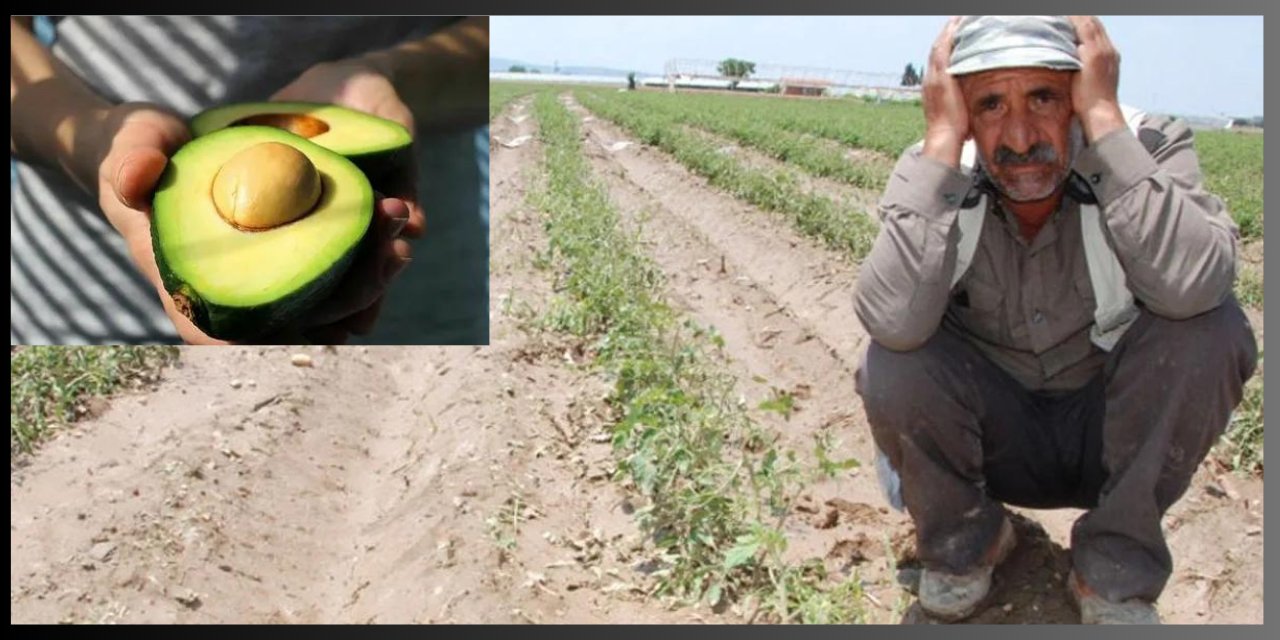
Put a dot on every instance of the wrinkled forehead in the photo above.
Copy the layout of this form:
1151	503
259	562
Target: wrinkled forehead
1014	80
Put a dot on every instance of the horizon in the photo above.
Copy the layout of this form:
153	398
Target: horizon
1221	79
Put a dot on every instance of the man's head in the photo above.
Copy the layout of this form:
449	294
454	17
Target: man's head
1016	74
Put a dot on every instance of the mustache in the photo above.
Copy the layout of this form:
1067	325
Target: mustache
1040	153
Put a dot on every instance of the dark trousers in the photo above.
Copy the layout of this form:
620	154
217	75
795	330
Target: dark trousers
965	437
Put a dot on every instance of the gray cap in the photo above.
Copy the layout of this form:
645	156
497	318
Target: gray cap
983	43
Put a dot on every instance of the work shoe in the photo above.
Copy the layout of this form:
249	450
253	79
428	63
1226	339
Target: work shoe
1094	609
950	597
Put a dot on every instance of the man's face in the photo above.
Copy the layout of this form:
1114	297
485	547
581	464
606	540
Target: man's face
1020	120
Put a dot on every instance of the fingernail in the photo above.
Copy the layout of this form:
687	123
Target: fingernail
393	268
398	225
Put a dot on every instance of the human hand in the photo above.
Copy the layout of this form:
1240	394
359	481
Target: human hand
132	147
357	85
134	143
1095	85
945	114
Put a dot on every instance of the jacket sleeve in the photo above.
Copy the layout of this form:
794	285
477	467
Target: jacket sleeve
1176	241
904	283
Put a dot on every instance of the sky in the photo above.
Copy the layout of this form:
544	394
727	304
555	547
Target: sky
1187	65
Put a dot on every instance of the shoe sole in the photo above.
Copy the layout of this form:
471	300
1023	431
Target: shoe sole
1005	545
1074	588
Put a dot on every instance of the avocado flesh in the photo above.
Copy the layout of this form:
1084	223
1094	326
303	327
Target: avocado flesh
377	145
235	283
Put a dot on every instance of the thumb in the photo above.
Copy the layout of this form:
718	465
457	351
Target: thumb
136	175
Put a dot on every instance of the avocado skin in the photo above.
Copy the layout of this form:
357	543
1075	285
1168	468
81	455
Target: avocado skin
239	323
222	322
382	168
247	323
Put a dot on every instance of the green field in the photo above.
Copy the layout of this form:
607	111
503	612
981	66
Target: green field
1232	166
716	480
856	142
817	136
846	227
502	93
713	476
48	386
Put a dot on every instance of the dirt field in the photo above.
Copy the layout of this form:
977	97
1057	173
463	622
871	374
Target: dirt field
471	484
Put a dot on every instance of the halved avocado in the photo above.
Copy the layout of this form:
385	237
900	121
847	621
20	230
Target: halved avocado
377	145
238	276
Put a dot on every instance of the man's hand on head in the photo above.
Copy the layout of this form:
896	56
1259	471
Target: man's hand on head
1094	89
945	115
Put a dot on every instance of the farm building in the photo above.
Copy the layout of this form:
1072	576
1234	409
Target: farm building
695	82
757	85
804	87
1245	123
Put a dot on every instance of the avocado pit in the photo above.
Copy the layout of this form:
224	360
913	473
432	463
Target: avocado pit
265	186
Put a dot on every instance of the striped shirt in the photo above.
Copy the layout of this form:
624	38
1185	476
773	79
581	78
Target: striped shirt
72	281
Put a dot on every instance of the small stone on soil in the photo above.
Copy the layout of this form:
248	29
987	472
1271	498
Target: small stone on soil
102	551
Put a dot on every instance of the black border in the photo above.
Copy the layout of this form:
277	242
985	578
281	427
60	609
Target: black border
726	7
653	7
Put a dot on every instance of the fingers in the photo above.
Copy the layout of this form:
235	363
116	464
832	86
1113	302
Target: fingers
377	265
1089	31
397	258
1095	46
340	332
949	31
1087	28
940	55
392	108
404	186
362	323
391	216
142	140
136	175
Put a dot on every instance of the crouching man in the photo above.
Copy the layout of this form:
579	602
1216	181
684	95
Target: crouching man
1051	312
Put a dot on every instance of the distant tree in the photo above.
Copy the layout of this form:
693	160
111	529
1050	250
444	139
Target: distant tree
535	71
516	68
631	81
736	70
910	78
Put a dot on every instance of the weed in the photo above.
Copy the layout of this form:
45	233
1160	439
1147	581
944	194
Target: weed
717	488
48	385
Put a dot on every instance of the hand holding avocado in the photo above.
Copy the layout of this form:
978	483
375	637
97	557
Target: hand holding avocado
144	149
259	230
267	220
361	87
134	142
358	86
279	221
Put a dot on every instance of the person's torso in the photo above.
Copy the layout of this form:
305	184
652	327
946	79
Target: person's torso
190	63
1029	305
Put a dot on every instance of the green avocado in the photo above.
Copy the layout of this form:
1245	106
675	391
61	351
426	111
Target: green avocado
377	145
238	283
